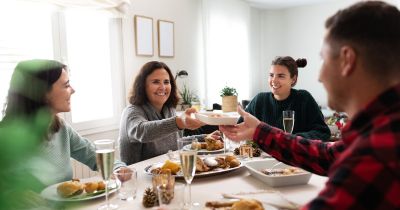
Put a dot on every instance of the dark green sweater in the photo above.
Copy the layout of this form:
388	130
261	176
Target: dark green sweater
309	121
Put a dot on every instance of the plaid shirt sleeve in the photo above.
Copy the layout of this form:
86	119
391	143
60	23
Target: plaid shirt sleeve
361	177
312	155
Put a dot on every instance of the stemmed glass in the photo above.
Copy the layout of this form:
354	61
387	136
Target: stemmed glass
288	121
105	150
188	158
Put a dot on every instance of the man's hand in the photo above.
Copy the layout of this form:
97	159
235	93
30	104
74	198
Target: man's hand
242	131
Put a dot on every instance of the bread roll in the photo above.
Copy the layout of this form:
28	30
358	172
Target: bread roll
91	187
70	188
247	204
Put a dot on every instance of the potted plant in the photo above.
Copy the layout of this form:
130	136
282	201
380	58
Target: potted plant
187	97
229	99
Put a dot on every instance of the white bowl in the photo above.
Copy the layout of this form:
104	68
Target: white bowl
212	118
255	168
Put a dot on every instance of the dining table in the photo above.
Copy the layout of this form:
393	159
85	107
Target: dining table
210	188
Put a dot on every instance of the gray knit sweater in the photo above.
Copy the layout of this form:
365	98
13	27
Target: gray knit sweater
145	133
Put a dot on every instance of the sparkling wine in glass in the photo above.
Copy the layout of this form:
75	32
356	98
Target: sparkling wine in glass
188	163
288	120
105	150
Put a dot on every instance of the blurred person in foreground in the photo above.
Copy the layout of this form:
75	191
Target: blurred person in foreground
268	106
149	125
42	87
361	73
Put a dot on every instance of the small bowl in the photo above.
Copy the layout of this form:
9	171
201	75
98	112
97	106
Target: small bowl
255	168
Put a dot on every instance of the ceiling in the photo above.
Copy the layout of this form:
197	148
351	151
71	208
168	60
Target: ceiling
280	4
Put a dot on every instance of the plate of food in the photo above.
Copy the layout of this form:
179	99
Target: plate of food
206	166
209	146
212	118
276	175
76	190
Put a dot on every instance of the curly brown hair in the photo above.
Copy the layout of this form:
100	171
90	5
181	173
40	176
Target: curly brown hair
291	64
138	94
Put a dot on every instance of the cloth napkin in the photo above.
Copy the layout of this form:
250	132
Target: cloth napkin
269	197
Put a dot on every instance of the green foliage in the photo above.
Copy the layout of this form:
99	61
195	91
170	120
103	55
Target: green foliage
186	94
228	91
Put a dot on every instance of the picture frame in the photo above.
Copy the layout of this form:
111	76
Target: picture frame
144	35
166	38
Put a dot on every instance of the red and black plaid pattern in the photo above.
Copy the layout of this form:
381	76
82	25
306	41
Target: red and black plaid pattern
363	167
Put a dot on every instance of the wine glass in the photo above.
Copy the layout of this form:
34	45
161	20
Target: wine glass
188	158
188	162
105	150
288	121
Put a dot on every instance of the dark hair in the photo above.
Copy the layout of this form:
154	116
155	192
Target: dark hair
138	94
372	28
291	65
30	82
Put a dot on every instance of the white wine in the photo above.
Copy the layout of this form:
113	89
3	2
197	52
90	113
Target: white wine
288	124
105	162
188	162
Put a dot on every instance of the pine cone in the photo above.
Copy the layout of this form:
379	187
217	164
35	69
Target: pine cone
149	198
257	152
236	151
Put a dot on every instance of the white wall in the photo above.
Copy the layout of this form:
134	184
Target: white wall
297	32
186	16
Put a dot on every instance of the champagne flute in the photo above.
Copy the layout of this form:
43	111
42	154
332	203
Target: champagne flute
105	150
188	162
288	121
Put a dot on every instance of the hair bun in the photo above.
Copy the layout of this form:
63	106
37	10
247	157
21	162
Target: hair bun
301	62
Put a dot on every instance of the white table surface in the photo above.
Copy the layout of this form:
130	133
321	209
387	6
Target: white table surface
210	188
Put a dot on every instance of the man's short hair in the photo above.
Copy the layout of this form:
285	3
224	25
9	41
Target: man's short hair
372	28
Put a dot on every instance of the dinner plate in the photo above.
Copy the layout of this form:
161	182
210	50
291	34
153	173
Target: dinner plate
212	118
204	151
216	171
50	193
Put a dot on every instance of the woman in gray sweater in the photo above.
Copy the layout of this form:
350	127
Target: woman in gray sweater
149	125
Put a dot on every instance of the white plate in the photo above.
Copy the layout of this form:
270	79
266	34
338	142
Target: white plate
255	168
204	151
50	193
212	118
148	169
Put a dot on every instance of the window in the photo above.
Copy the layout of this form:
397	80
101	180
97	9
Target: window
22	37
87	42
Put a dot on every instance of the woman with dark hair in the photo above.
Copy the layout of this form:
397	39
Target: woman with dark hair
269	106
42	86
149	125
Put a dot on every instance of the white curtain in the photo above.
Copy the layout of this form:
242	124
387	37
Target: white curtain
115	7
226	36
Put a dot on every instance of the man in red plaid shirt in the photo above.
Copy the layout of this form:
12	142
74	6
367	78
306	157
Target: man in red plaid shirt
361	73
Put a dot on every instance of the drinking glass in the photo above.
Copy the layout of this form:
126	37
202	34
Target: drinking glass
288	120
105	150
188	163
127	179
185	143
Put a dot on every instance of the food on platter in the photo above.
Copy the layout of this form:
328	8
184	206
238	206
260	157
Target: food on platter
243	204
282	171
174	167
206	164
75	187
210	144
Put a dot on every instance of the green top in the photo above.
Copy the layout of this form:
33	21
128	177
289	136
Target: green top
309	121
54	163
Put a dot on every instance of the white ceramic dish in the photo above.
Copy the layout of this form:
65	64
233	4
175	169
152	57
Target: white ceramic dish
212	118
255	168
50	193
148	169
204	151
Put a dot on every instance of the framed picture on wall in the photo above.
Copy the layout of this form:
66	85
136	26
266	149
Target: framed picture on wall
144	35
165	38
